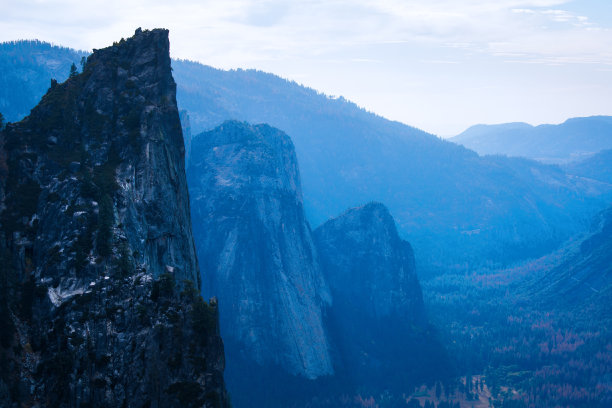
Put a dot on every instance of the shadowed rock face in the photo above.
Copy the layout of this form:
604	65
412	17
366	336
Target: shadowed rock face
256	248
366	262
377	321
100	281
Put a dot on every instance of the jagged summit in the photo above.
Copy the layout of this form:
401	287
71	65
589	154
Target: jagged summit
141	62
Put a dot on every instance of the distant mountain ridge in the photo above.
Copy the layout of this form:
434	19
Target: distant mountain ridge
572	140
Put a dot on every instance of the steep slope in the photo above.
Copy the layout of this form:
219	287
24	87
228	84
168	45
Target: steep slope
457	209
583	281
574	139
377	320
99	303
597	167
256	249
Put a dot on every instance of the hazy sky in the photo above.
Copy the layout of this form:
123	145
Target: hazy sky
440	65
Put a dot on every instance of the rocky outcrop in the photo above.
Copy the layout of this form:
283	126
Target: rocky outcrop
377	322
99	278
256	249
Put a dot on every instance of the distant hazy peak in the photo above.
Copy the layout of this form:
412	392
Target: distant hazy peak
574	139
479	128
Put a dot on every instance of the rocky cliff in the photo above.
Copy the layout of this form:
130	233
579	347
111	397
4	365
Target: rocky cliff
100	300
257	253
377	320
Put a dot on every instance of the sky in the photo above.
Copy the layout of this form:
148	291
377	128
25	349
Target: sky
439	65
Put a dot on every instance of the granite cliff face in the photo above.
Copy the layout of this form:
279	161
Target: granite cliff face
99	276
256	249
377	321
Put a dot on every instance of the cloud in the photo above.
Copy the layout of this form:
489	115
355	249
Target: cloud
261	30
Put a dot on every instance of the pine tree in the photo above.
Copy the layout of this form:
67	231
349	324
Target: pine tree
73	71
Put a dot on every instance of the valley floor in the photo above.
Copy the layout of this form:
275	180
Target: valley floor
526	352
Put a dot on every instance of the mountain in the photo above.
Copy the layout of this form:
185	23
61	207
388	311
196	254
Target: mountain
575	139
100	300
596	167
457	209
257	252
377	319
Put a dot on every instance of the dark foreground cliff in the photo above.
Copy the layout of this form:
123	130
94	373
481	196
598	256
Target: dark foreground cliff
99	282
